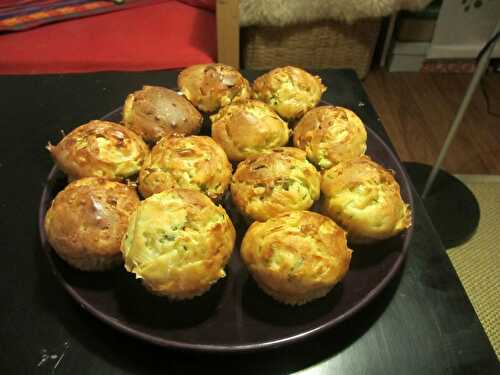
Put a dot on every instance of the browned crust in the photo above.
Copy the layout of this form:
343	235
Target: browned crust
178	242
100	149
280	180
87	220
155	112
289	90
297	256
212	86
248	128
364	198
194	162
330	135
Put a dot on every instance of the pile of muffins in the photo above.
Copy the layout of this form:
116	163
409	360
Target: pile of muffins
147	193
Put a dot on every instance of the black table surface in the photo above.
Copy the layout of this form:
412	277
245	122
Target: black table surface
422	323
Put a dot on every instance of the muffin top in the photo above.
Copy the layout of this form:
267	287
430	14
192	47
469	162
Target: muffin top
212	86
290	91
178	242
330	135
247	128
296	254
154	112
364	198
194	162
90	217
278	181
100	149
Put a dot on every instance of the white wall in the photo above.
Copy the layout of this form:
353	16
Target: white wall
461	34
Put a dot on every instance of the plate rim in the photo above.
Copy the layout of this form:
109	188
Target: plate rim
363	302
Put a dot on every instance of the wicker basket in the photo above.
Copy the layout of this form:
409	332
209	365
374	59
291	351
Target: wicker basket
322	44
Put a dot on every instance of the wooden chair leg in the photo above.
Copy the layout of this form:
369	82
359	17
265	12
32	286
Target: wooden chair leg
228	32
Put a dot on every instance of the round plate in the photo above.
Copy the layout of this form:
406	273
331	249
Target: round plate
235	315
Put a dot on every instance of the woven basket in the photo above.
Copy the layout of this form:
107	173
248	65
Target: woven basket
322	44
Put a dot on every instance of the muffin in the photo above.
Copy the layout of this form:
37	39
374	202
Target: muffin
364	198
212	86
280	180
247	128
87	220
330	135
154	112
297	256
178	242
195	162
290	91
100	149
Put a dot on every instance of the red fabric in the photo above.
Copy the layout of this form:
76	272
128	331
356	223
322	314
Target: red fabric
28	16
205	4
162	36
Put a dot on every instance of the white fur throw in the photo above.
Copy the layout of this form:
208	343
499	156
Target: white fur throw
287	12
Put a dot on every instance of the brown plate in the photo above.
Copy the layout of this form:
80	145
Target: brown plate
234	315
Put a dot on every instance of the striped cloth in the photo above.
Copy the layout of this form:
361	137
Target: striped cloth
26	14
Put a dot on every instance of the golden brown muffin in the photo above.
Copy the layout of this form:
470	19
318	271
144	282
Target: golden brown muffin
154	112
247	128
280	180
178	242
100	149
87	220
330	135
297	256
195	162
212	86
364	198
290	91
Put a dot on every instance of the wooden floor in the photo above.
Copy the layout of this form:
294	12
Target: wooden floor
417	110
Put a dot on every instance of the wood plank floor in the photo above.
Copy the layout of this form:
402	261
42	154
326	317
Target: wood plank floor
417	110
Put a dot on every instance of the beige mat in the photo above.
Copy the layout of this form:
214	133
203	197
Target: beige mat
477	262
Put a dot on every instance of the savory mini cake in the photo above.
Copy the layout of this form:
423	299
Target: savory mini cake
87	220
330	135
278	181
100	149
247	128
195	162
290	91
154	112
178	242
364	198
212	86
297	256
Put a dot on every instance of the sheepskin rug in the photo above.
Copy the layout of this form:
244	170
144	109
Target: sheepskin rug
288	12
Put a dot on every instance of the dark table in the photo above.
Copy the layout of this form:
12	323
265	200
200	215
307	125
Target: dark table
422	323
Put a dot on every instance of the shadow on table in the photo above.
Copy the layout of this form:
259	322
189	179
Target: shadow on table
135	356
372	255
151	311
262	307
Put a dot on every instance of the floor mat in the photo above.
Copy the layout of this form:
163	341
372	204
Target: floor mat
477	262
